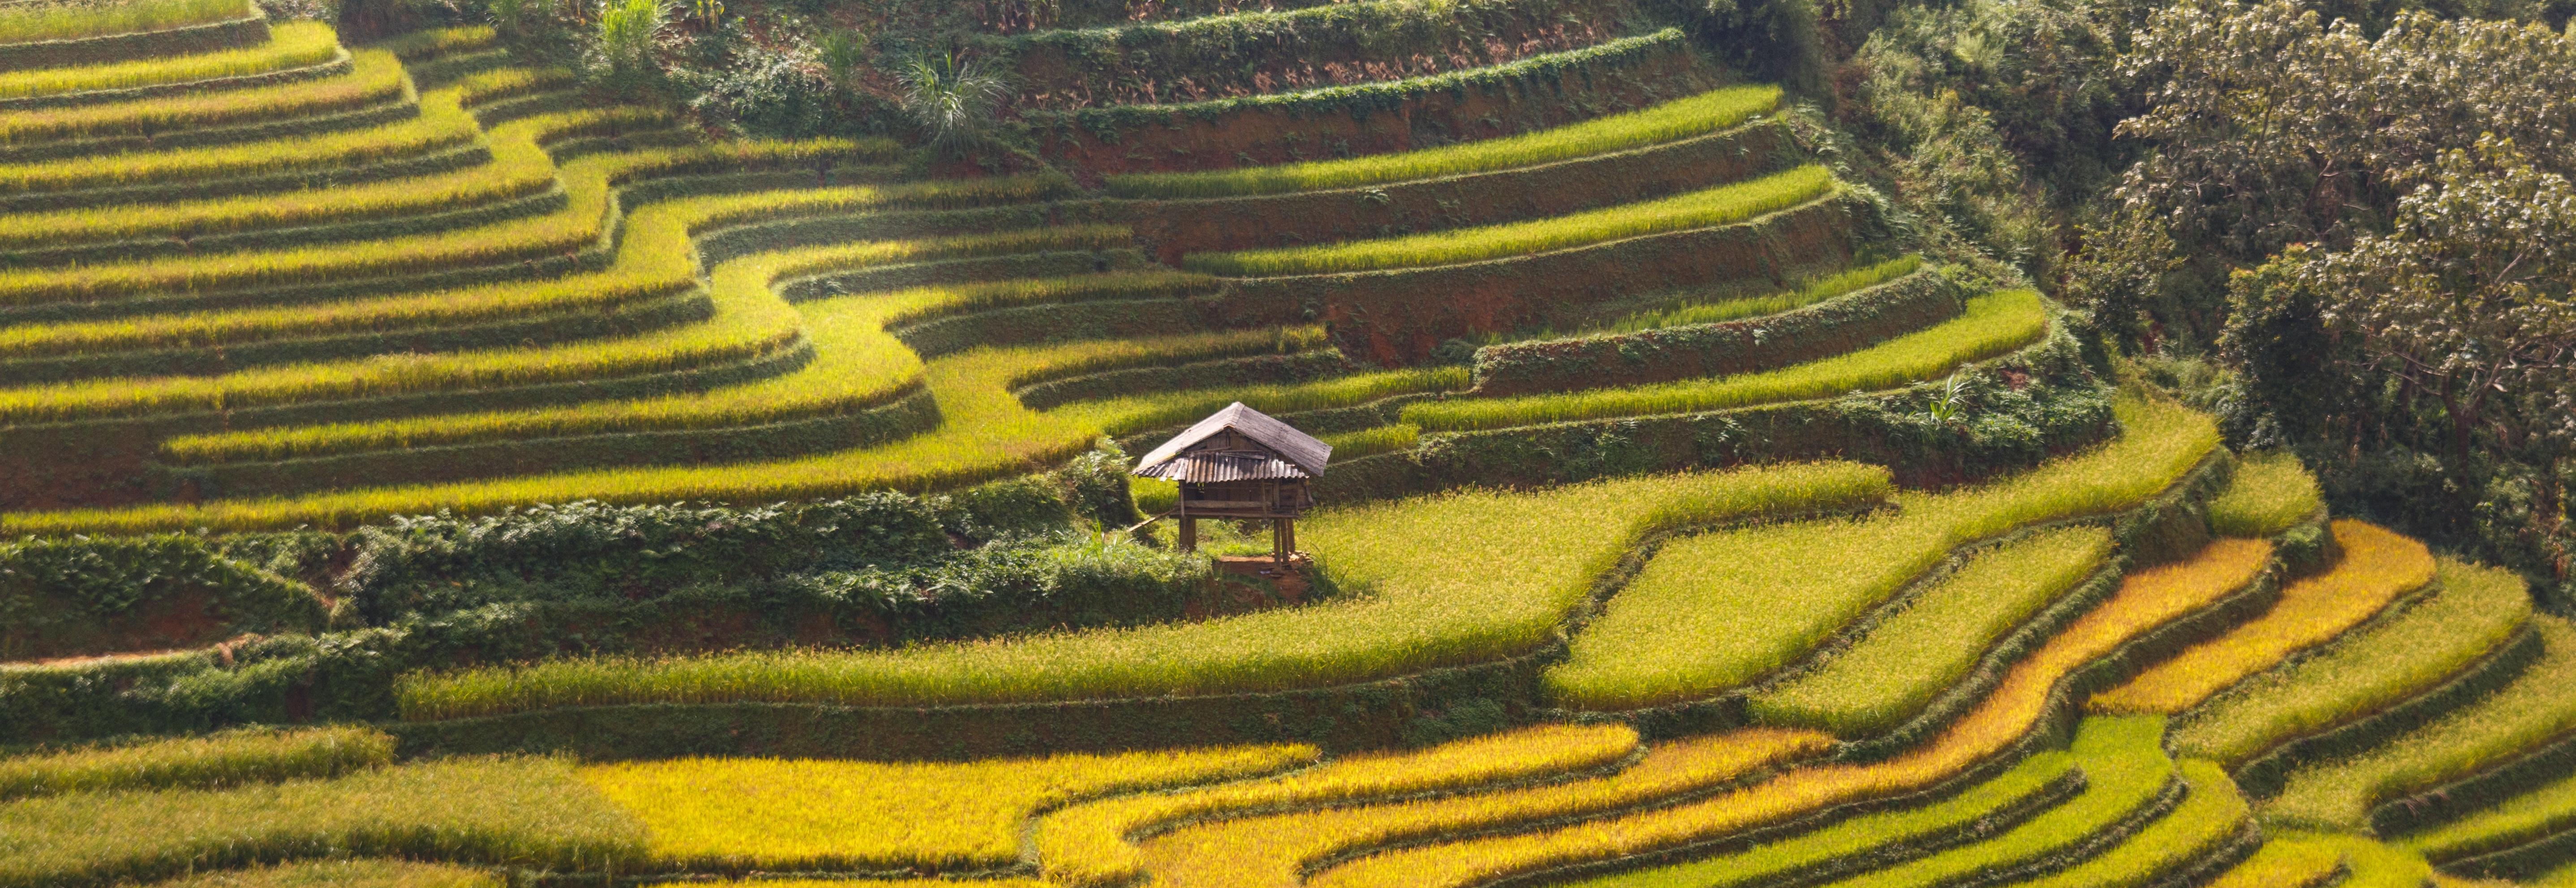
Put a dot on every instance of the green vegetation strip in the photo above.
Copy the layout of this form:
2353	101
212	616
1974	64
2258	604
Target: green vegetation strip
1911	657
2541	812
2126	771
2476	610
374	76
72	21
1721	205
2271	493
1431	597
2518	718
1805	294
234	757
1712	613
1869	834
1994	324
2210	816
290	45
526	812
1671	121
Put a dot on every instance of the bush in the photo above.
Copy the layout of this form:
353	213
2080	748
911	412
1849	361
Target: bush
82	595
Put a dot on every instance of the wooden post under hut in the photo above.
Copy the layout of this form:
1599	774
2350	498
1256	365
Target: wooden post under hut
1240	463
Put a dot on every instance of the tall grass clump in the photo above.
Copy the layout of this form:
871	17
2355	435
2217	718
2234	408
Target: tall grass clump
2521	716
1774	862
1721	205
524	812
1705	113
2378	566
2475	610
1424	596
257	755
290	45
815	814
1091	845
1715	612
1911	657
28	24
1277	849
1805	294
2271	493
346	874
1994	324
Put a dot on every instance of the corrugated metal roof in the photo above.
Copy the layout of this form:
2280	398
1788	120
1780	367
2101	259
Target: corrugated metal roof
1296	447
1215	467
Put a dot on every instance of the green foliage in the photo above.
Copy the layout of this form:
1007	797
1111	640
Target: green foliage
953	100
1678	119
2271	493
1908	658
255	755
503	811
1720	205
1425	606
627	31
78	594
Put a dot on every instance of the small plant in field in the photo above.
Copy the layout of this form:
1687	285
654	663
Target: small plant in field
627	29
951	98
709	13
842	54
1949	399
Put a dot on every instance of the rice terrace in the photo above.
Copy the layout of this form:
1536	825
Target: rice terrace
1287	443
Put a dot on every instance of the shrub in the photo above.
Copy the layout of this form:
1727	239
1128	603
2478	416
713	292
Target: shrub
1092	845
2515	719
1714	612
1429	607
2271	494
1678	119
1867	837
2475	611
1994	324
505	811
2378	566
1722	205
1907	659
90	596
233	757
806	815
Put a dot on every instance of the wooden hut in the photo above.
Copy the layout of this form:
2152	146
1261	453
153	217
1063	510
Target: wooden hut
1240	464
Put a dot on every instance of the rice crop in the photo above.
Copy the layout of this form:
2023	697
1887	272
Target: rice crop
1994	324
740	814
1775	862
2378	566
1092	845
2124	771
2542	811
2284	864
441	124
580	225
524	812
2212	814
290	45
2366	863
2019	703
1715	612
373	77
68	22
345	874
2523	715
434	42
2474	610
1892	673
1423	602
2271	493
1805	294
1679	119
1722	205
986	433
242	756
1275	851
1138	413
1371	442
519	168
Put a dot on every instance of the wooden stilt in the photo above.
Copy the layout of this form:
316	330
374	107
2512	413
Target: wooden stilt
1288	528
1189	534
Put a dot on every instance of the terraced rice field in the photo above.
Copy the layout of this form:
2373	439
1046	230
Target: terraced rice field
1704	531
